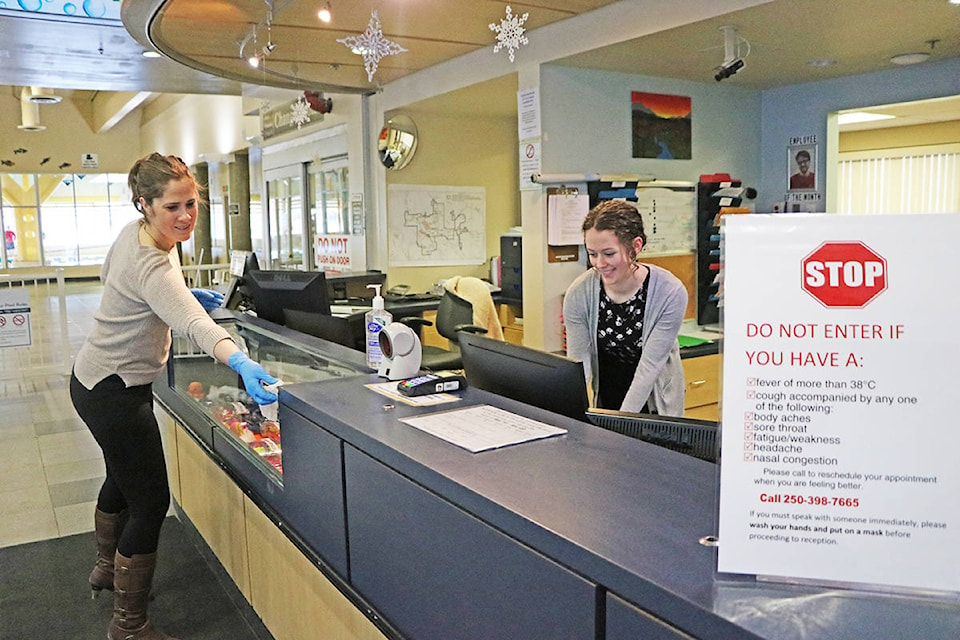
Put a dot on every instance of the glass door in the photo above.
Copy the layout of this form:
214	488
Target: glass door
285	219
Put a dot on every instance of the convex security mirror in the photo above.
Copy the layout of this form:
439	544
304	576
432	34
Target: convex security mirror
398	142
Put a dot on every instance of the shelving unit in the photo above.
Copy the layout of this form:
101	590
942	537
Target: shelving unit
708	244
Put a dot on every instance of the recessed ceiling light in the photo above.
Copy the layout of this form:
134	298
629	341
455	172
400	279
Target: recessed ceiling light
910	58
825	62
861	116
150	54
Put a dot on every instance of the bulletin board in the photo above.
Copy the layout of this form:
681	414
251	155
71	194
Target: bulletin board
669	213
668	208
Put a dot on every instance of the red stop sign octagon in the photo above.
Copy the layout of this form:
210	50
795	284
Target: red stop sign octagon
844	274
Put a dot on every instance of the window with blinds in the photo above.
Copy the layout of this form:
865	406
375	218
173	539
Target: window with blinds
918	180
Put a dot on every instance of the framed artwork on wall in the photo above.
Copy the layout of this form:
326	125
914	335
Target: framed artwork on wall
801	165
661	126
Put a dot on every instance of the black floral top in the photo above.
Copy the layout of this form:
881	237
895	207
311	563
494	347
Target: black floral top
619	344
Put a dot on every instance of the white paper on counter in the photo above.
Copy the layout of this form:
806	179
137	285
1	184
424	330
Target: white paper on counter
482	427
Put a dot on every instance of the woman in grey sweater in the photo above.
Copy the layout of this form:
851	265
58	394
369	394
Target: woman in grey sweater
622	317
144	296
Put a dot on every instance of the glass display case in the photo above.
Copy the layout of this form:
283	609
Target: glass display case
218	392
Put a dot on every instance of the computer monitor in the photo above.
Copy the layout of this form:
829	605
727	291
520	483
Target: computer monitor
274	291
549	381
697	438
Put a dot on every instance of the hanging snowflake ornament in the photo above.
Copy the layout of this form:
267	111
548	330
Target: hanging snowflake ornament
300	112
372	46
510	32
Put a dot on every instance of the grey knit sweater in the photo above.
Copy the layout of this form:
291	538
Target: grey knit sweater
144	296
659	374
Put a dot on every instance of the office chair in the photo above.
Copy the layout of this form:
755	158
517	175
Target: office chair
454	314
330	328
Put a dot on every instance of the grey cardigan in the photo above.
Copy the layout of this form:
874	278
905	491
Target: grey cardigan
659	376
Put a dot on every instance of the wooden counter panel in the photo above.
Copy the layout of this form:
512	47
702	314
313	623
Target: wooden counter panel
209	497
291	596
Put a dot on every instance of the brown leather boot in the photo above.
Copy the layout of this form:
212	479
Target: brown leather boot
132	578
107	528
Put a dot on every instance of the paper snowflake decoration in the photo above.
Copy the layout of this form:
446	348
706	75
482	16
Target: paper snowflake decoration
372	46
300	112
510	32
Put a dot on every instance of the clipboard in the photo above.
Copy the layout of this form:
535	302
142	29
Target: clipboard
566	209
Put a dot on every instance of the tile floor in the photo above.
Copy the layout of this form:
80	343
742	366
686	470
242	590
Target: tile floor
50	467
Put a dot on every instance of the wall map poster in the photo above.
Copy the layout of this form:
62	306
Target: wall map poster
661	126
436	225
839	402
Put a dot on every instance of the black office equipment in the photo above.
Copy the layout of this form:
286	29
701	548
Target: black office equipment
321	325
511	269
238	293
697	438
549	381
351	286
274	291
709	204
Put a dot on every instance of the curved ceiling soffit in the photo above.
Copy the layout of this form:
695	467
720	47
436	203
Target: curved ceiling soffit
142	19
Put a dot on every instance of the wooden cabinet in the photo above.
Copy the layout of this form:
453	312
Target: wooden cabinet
702	375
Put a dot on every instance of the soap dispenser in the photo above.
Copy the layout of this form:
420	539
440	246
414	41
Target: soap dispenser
374	321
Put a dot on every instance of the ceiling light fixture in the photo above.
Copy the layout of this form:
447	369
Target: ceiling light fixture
861	116
39	95
29	113
910	58
917	57
149	53
325	13
259	55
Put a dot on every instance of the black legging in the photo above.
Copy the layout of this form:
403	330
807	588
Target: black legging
122	422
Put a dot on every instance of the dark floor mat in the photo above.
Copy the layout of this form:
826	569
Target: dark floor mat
44	593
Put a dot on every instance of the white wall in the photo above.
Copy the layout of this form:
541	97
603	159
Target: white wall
191	125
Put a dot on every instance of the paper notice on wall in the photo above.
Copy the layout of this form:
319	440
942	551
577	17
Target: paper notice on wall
839	443
15	317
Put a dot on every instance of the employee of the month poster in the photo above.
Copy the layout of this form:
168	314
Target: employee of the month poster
841	445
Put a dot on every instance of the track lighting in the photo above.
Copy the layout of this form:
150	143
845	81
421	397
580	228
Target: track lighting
259	54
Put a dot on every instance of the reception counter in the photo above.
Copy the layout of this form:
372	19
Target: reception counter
586	535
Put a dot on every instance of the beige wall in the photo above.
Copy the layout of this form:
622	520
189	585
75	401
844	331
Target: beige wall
458	150
895	137
67	137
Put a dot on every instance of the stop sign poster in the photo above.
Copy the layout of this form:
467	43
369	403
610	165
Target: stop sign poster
839	430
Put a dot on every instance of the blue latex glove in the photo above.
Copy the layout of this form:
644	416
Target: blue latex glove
254	376
208	298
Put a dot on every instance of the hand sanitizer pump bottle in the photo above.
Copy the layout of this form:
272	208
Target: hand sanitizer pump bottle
375	320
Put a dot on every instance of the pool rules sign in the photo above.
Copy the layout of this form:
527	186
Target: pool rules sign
15	317
840	441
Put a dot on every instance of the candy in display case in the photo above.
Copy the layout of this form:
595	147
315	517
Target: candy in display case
220	394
